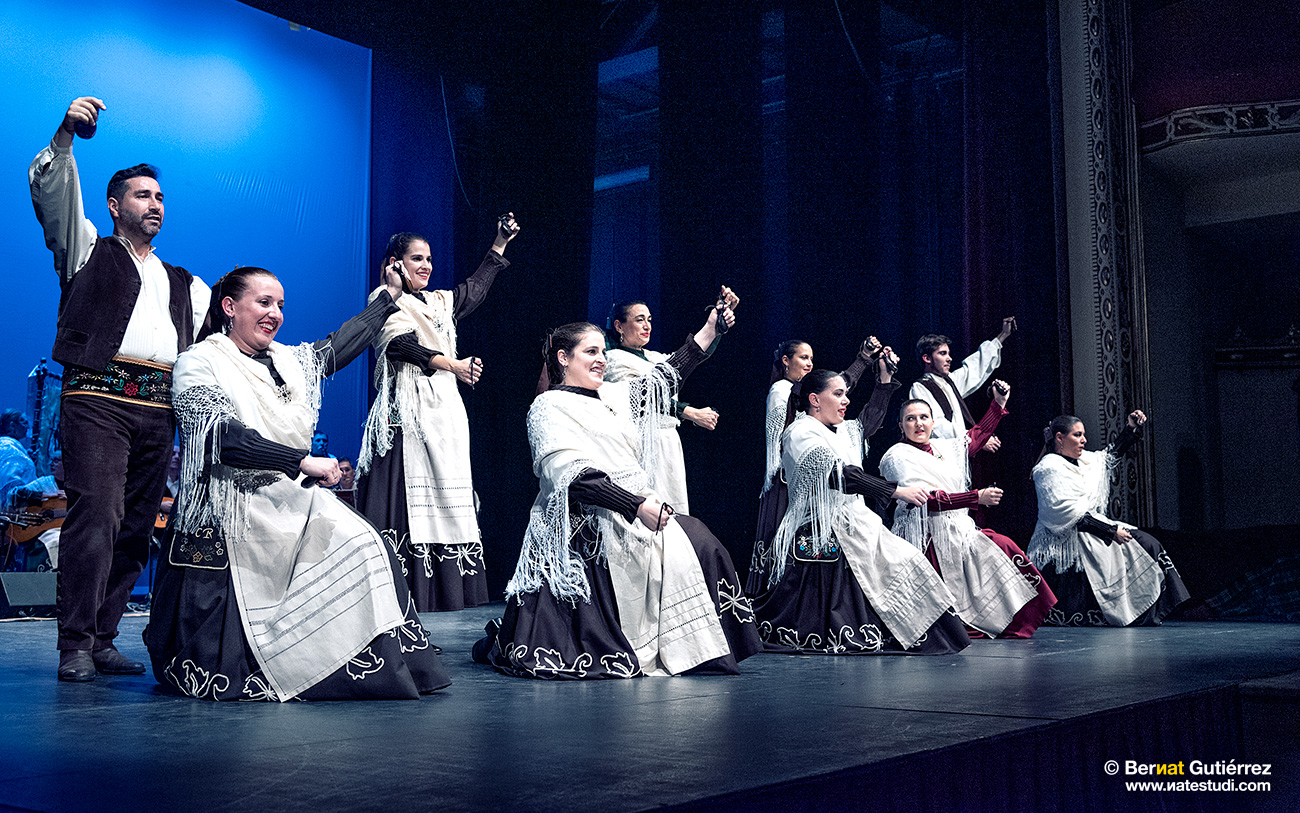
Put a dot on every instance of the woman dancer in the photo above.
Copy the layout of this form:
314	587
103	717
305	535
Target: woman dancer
840	583
418	490
628	359
998	591
270	588
1103	572
611	583
792	360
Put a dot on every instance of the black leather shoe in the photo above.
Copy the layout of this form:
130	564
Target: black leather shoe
111	662
76	665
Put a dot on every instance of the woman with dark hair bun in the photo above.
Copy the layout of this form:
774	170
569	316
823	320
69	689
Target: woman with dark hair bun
628	357
611	582
839	583
269	588
1104	572
417	487
791	361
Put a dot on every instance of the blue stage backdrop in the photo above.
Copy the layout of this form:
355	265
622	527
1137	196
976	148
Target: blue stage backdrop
261	134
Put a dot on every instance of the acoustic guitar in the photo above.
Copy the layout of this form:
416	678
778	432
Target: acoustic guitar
30	523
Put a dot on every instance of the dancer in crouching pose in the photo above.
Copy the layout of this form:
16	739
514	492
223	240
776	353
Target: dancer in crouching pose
1105	573
840	582
611	582
998	591
270	588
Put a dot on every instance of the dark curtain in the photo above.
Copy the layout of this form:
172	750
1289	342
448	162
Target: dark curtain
1010	244
710	229
535	159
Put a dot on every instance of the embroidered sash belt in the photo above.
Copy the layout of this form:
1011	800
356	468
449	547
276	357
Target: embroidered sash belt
134	381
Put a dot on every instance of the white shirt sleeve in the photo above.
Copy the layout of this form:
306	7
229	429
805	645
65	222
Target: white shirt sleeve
200	299
56	197
977	367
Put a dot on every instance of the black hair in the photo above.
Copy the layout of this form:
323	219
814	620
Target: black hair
1059	424
618	313
930	342
564	338
784	349
12	422
398	245
232	285
117	184
815	381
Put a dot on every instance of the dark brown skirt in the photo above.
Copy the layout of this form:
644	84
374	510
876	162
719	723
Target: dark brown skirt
818	608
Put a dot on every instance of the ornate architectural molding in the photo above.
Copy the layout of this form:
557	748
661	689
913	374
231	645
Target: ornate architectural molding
1118	286
1219	121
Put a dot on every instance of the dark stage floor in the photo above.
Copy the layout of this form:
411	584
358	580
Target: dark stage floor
1024	725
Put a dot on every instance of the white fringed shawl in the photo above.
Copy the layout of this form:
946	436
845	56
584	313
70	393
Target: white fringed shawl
988	588
435	427
669	469
1124	577
778	403
311	578
895	577
568	433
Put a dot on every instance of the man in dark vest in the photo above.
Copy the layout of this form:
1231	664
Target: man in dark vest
124	315
946	389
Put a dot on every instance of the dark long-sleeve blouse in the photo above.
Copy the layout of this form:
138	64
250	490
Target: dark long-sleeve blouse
245	448
465	299
853	375
593	487
873	411
857	481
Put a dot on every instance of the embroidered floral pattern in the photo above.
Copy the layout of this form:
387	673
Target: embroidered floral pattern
544	662
468	557
1092	618
256	687
758	561
732	599
1165	562
141	383
865	638
1027	570
196	681
620	665
390	537
365	662
410	636
421	552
